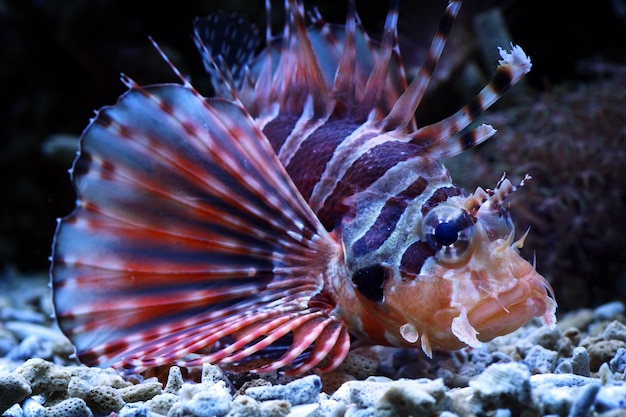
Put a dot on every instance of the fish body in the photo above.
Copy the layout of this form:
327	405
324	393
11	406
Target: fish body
297	211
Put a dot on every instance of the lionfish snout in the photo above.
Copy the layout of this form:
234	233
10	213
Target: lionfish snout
476	286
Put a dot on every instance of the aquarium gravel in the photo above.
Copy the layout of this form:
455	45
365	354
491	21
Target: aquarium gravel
575	370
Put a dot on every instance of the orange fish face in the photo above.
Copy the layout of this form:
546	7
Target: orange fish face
475	287
448	275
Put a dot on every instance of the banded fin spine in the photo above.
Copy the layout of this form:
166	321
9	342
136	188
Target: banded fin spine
402	113
443	137
376	82
343	85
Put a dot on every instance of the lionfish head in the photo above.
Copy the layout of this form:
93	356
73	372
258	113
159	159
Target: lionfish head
461	279
476	286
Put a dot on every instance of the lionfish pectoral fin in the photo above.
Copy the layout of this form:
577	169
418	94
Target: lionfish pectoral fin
189	243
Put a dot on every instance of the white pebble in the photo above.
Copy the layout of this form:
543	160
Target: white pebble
609	311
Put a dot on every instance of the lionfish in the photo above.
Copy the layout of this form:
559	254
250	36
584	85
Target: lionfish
299	211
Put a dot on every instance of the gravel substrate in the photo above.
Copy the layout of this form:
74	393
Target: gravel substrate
574	370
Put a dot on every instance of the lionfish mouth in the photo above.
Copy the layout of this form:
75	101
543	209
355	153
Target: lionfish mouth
505	312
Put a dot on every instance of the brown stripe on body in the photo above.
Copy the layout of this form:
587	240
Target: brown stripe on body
388	217
278	129
363	172
309	162
441	194
414	257
304	127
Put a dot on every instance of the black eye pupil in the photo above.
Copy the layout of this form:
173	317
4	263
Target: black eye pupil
446	233
369	281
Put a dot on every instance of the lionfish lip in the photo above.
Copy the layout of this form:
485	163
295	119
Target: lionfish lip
531	297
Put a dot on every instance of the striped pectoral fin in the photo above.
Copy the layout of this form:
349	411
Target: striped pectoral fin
187	232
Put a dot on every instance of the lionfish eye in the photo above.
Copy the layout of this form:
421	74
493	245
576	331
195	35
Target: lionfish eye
446	233
449	231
